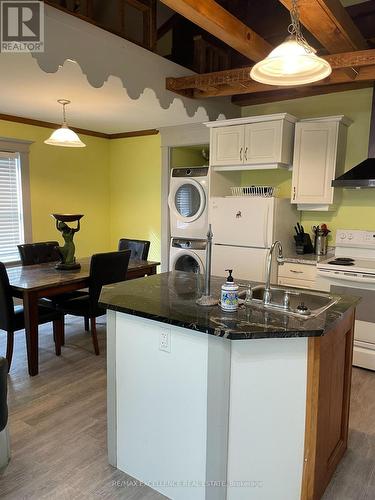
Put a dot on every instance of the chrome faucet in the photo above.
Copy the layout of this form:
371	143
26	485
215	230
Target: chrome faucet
280	260
206	299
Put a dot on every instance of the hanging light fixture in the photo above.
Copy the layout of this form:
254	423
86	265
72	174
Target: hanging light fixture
294	62
64	136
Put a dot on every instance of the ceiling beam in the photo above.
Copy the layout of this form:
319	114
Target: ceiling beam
330	24
213	18
365	74
295	93
238	81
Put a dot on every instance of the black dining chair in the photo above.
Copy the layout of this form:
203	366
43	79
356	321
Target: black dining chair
105	268
37	253
139	248
12	317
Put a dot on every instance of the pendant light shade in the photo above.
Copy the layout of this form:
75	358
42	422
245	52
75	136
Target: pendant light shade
294	62
291	64
64	136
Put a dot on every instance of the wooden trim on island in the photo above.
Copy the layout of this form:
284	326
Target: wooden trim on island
102	135
312	394
329	373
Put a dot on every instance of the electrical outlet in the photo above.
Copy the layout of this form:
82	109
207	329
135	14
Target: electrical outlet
165	341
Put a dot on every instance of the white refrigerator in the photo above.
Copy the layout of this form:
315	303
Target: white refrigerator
244	229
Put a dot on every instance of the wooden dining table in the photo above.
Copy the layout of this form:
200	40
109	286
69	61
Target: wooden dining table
30	283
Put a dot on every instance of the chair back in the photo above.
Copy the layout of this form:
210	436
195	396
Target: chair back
6	301
37	253
139	248
106	268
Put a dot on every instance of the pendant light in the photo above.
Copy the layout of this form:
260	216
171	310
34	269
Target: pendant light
294	62
64	136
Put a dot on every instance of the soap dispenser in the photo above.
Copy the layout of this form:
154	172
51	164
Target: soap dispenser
229	294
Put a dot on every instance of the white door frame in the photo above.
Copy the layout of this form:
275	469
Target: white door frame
172	137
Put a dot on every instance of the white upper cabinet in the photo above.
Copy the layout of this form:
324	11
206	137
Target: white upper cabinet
319	154
257	142
263	142
227	145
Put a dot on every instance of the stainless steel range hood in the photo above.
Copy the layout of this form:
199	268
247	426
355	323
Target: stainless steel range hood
363	174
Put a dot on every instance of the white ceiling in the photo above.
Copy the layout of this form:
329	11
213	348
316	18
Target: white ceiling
28	91
113	68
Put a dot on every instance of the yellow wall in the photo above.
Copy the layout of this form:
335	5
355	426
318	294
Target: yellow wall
357	208
281	178
116	184
135	204
187	156
67	180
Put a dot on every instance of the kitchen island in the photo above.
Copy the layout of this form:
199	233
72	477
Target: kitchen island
209	405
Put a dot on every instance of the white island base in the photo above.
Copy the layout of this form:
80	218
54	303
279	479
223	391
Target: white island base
213	419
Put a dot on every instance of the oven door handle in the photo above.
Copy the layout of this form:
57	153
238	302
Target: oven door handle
343	277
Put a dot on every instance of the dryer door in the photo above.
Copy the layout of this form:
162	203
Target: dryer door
187	199
187	261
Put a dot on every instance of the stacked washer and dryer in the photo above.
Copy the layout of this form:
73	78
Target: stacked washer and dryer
188	209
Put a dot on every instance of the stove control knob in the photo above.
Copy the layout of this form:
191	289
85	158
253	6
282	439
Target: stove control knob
350	236
342	236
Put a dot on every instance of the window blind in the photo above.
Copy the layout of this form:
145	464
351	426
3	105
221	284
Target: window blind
11	223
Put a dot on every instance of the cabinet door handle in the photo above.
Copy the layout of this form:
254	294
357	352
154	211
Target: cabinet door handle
246	153
240	154
295	272
294	192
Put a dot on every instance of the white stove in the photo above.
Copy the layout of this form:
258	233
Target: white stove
352	271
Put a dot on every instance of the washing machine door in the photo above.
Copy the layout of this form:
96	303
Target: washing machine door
187	200
188	262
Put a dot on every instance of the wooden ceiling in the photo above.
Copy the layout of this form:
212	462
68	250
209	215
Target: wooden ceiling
327	24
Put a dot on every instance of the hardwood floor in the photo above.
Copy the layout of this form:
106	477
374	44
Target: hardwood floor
355	475
58	428
58	423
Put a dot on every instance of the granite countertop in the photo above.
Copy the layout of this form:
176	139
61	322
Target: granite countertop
309	258
170	298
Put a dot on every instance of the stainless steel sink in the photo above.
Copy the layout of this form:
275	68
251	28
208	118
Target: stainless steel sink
298	303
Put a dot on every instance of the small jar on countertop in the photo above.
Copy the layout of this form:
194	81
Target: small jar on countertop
229	294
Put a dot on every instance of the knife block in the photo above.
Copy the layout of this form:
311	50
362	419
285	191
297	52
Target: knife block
303	244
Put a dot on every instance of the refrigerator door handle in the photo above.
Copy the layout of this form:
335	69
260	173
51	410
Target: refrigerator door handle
265	225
